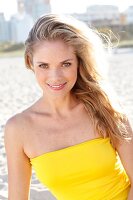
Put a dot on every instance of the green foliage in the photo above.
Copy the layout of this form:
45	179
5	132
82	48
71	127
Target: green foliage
10	47
126	44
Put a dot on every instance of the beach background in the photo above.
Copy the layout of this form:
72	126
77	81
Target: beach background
18	90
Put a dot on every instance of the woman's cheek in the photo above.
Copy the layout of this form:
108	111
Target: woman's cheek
40	78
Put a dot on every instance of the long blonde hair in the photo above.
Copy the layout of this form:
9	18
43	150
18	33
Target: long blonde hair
88	88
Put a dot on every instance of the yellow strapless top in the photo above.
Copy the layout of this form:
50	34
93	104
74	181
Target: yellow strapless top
91	170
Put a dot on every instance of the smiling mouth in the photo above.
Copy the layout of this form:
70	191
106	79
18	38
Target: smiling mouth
57	87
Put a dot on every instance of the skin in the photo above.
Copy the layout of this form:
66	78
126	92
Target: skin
125	151
57	120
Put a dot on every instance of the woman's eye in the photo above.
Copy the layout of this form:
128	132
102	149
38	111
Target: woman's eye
66	64
44	66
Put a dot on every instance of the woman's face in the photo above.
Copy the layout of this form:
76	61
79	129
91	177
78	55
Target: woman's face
55	66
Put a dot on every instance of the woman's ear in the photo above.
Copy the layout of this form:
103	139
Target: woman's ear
32	68
29	63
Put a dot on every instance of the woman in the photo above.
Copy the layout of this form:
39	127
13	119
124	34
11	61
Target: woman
77	141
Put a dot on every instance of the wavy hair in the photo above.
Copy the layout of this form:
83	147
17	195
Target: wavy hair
88	88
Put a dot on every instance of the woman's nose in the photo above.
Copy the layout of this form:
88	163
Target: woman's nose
55	73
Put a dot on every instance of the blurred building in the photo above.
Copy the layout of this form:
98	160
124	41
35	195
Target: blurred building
20	6
35	8
82	17
28	12
20	26
4	32
123	19
129	14
103	15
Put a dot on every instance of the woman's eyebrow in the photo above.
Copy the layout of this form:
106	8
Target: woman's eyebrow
66	60
70	59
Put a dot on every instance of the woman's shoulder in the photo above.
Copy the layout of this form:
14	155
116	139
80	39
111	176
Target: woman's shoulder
21	117
13	131
22	121
18	123
14	126
15	120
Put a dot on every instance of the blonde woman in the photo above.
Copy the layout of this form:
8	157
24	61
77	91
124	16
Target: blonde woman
79	144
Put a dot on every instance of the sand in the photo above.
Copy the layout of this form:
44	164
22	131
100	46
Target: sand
18	90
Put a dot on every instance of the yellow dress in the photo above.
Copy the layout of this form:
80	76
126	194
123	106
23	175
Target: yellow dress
90	170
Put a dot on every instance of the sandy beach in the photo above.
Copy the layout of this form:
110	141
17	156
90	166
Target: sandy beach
18	90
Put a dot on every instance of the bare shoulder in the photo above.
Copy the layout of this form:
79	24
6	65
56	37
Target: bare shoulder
20	121
16	126
15	122
19	127
12	131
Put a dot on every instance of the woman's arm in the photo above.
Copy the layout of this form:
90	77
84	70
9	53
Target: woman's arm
125	151
19	168
130	195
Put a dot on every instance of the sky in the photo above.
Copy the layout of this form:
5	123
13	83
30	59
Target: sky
9	7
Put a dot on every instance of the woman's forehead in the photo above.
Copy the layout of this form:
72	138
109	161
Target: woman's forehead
48	48
51	43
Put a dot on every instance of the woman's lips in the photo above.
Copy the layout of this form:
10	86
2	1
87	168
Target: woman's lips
57	87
